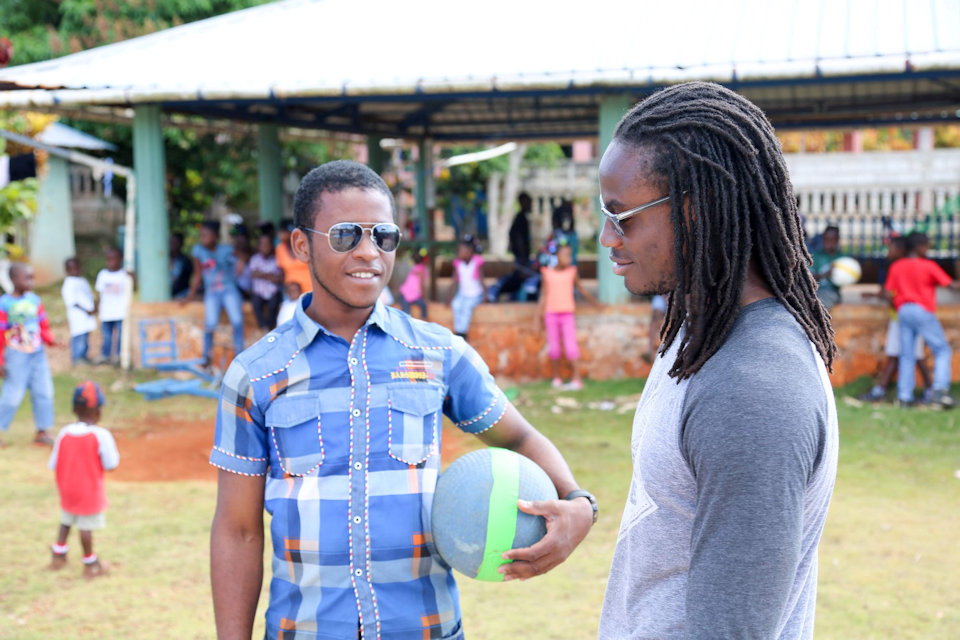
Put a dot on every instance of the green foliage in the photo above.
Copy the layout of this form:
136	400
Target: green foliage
44	29
18	201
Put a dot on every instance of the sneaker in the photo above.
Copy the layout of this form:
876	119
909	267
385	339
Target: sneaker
573	385
57	561
43	439
943	400
557	383
905	404
876	394
95	570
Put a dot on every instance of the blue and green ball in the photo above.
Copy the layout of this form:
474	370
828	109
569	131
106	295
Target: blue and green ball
475	515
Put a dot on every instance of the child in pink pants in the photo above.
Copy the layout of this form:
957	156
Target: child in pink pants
556	306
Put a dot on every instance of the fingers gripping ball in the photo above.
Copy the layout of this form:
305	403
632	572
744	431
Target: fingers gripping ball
845	271
475	516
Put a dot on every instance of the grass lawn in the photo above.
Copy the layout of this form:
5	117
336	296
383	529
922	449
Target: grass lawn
888	566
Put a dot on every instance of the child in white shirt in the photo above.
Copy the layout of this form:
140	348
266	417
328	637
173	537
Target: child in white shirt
81	310
114	299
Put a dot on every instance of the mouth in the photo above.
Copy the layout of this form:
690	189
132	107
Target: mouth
364	275
620	265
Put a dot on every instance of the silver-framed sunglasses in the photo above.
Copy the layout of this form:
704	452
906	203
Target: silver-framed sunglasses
345	236
616	218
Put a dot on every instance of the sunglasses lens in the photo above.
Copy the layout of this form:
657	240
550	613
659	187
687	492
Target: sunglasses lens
345	236
387	237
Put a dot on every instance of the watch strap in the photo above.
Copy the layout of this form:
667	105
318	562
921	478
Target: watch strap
583	493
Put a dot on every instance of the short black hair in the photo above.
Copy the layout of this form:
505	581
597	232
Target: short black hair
334	177
69	260
212	225
898	241
917	239
832	229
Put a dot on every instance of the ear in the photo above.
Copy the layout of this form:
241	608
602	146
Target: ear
299	243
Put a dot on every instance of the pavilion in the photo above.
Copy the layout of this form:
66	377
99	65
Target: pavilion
507	71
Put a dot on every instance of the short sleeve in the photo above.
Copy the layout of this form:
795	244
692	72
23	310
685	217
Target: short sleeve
98	285
940	276
109	456
474	402
240	443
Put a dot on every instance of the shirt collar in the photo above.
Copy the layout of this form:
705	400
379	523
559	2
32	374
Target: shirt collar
309	328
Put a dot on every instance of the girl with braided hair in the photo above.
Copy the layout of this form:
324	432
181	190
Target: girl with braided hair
735	439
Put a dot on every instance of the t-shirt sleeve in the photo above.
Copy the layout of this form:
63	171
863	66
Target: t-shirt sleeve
240	443
109	455
474	401
940	277
752	442
98	285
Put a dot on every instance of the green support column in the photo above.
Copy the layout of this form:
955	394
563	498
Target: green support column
610	289
424	167
375	157
51	234
152	227
269	169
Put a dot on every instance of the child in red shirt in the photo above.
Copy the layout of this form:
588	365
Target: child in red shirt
81	453
912	288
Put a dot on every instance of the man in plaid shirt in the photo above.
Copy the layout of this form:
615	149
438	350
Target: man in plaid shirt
332	423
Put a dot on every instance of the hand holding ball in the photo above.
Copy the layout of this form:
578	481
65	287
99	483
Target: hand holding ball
475	516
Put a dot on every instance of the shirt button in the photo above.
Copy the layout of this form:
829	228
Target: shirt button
356	413
357	466
357	519
353	361
358	572
271	339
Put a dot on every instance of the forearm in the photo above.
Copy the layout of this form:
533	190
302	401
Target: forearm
534	445
236	574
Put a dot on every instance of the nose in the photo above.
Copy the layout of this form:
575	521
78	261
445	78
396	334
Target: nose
367	249
608	235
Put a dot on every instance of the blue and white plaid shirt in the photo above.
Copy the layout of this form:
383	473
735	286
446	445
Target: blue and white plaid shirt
348	435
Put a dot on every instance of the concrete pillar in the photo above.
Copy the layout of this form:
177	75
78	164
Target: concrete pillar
51	233
610	289
376	158
153	225
424	181
269	168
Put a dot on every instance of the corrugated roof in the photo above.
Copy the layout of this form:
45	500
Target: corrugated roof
508	69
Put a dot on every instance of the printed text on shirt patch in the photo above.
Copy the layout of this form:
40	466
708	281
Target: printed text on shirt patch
418	370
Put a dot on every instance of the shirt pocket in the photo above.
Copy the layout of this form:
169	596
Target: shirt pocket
295	429
413	415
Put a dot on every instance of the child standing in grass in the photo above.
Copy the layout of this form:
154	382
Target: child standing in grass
555	310
81	310
912	288
82	452
467	285
114	293
23	361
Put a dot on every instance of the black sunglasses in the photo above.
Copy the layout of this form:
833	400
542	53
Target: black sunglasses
345	236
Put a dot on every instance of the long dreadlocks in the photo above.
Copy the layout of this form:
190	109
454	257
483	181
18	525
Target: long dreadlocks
718	151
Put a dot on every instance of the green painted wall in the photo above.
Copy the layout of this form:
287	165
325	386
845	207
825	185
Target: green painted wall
51	232
610	289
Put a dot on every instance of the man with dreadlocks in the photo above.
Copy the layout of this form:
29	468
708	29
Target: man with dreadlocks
735	438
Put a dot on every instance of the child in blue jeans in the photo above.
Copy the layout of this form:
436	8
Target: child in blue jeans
217	265
23	361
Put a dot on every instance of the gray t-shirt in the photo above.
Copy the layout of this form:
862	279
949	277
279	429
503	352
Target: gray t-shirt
733	470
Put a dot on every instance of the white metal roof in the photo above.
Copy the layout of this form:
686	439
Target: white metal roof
58	134
400	68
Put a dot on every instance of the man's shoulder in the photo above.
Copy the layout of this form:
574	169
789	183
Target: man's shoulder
413	331
767	352
269	352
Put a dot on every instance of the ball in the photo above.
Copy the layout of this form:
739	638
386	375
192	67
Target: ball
475	515
844	271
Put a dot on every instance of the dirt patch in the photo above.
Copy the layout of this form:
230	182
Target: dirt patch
178	450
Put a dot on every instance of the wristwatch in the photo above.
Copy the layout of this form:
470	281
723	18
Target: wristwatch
581	493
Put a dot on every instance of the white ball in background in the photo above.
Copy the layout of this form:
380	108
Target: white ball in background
845	271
